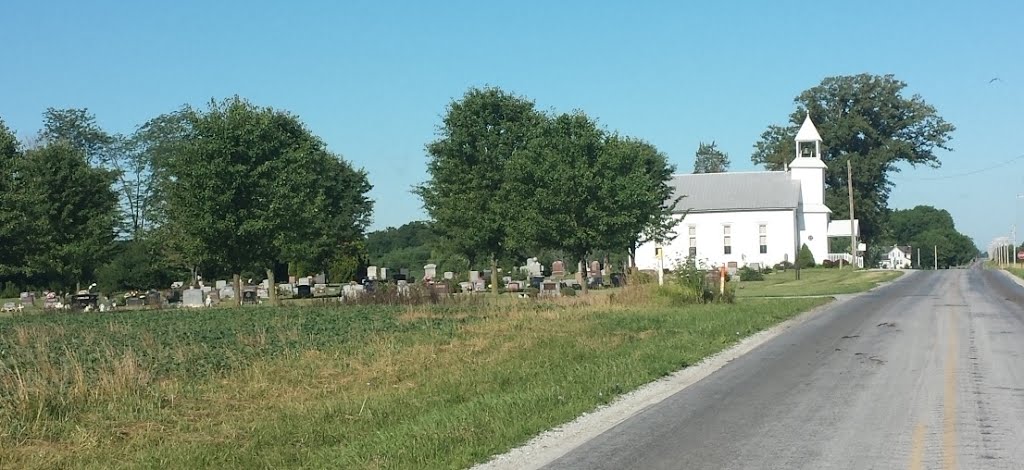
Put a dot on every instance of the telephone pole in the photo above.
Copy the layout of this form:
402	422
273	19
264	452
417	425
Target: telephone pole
936	257
853	233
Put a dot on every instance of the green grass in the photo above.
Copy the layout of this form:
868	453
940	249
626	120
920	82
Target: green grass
337	387
819	281
1019	272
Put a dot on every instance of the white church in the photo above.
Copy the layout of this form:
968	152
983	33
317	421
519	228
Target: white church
763	218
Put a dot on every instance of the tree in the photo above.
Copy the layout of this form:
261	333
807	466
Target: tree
636	186
466	193
954	248
246	187
906	224
15	230
805	259
564	170
867	120
710	160
78	129
76	213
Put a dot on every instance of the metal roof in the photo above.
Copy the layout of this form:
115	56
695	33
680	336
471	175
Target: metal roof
763	190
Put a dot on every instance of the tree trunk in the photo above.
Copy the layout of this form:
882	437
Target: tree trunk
584	272
272	288
238	290
494	275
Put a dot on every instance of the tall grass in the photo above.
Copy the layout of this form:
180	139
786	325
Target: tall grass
435	386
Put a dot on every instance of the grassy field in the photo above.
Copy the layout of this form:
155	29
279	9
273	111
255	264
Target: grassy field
1019	272
818	281
337	387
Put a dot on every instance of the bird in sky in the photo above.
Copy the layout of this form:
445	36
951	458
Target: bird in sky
996	79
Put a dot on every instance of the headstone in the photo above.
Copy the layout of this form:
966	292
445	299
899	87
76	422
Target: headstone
448	275
262	292
536	281
595	267
383	274
206	289
134	301
474	276
227	292
506	279
513	286
304	291
351	291
221	284
371	273
440	289
480	286
549	289
153	299
533	267
403	287
320	289
192	298
265	283
177	284
320	279
292	280
27	298
286	288
429	272
249	297
304	281
466	286
558	268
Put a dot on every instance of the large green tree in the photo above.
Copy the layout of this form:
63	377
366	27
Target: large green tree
571	178
469	164
709	159
906	224
246	187
71	211
870	121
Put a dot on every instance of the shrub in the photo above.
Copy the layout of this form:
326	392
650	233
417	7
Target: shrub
783	266
827	264
806	258
568	291
749	274
695	284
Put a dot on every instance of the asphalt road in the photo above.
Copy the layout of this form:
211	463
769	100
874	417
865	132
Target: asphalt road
925	373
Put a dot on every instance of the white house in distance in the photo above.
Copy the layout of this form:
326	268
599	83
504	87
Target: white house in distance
735	219
899	257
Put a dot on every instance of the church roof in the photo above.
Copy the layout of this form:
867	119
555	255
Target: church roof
763	190
807	132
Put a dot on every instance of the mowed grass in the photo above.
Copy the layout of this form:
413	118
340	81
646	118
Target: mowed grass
1019	272
818	281
338	387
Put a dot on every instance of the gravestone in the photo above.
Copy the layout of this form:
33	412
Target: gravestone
27	298
448	275
351	291
371	273
304	291
262	292
192	298
320	289
474	276
403	287
227	292
536	281
249	296
513	286
320	279
153	299
466	286
286	289
213	298
304	281
383	274
134	301
534	268
549	289
506	279
595	268
177	284
558	268
440	289
429	272
480	286
221	284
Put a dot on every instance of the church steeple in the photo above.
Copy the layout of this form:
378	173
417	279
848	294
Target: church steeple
808	134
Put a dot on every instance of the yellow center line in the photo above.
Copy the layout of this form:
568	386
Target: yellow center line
917	448
949	402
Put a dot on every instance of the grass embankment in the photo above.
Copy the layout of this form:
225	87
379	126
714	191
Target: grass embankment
1019	272
338	387
814	282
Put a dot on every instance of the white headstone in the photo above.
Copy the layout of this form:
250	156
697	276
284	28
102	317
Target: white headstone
474	276
192	297
303	281
262	292
429	271
448	275
383	274
227	292
221	284
371	273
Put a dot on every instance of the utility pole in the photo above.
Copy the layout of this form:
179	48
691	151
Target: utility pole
919	258
853	233
936	257
1013	236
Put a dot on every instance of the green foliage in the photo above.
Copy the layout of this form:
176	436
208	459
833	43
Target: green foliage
805	259
955	248
749	274
709	159
867	120
245	187
137	265
695	283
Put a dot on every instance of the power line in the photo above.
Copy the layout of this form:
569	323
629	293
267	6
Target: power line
970	173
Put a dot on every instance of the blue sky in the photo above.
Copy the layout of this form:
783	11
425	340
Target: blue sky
373	78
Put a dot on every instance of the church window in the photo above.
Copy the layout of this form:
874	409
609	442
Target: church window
693	241
727	238
762	234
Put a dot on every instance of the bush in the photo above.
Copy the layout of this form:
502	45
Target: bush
806	258
783	266
828	264
695	284
749	274
568	291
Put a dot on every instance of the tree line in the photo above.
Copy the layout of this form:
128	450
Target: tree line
229	188
506	180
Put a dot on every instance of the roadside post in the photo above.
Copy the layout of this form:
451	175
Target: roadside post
659	252
721	279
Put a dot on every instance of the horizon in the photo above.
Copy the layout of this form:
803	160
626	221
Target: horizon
378	94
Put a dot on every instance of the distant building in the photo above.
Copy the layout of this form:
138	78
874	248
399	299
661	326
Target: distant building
899	257
735	219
